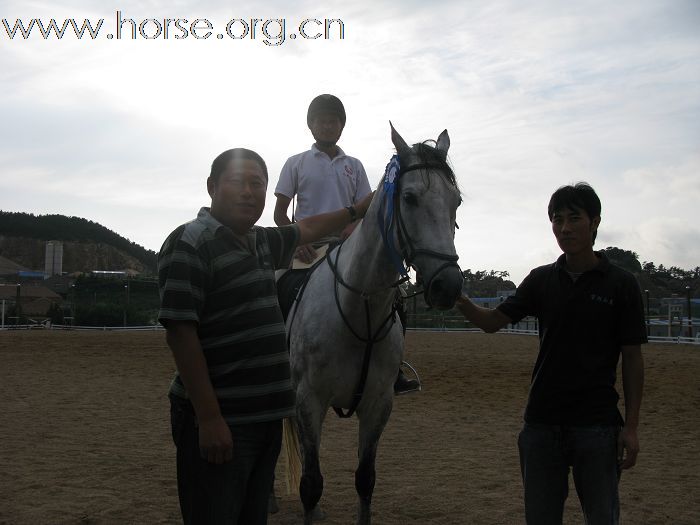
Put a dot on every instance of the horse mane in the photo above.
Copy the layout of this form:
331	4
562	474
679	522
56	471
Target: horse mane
427	153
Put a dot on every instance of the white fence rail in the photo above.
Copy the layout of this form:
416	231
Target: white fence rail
157	328
150	328
528	326
652	339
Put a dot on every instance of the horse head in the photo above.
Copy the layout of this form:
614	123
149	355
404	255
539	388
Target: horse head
426	198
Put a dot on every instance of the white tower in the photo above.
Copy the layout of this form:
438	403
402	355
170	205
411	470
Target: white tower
53	264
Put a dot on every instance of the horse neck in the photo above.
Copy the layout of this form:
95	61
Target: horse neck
364	263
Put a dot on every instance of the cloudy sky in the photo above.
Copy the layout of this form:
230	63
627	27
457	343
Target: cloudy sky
534	95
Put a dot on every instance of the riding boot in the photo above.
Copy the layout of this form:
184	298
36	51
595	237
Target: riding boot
404	385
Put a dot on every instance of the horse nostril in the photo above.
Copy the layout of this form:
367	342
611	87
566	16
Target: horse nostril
445	288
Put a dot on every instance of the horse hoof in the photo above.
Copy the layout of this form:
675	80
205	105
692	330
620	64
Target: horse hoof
317	514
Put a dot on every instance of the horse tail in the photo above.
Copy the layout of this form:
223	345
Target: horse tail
292	451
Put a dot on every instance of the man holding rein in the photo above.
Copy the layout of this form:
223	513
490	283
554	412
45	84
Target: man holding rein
590	314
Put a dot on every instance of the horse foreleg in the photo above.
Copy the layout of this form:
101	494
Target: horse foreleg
372	424
311	487
309	420
365	476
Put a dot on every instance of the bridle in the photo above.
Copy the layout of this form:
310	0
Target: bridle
407	247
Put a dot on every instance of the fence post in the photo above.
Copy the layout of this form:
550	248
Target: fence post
648	326
690	314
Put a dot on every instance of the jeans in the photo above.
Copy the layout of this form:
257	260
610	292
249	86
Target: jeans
547	452
231	493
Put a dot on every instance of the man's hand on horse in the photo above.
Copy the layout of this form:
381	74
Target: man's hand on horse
306	253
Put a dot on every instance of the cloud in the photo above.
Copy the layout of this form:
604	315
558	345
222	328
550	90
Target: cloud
534	95
665	198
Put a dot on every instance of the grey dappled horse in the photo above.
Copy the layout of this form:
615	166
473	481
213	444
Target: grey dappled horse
346	343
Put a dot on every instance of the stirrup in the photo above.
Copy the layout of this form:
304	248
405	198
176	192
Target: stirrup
415	377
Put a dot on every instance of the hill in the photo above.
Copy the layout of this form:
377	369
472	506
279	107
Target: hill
87	245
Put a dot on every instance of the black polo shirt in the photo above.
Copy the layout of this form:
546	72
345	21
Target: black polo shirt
582	326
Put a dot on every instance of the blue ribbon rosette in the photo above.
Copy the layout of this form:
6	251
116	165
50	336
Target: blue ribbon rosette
386	214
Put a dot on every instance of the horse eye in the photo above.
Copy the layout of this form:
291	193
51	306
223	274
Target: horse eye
410	199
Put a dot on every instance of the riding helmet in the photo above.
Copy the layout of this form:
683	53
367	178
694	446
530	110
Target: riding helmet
325	104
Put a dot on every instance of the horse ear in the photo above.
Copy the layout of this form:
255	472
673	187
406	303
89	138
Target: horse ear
443	143
399	143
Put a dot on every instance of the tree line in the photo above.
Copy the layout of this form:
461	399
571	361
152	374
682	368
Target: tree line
659	280
63	228
100	301
97	301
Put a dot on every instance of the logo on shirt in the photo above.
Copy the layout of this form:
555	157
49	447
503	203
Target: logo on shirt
348	171
601	299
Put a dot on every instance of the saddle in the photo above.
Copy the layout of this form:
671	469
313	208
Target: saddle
291	283
288	286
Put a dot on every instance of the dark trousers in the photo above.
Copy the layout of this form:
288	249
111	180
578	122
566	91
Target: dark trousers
546	454
231	493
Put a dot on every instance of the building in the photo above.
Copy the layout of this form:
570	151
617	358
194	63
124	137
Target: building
33	300
10	269
53	264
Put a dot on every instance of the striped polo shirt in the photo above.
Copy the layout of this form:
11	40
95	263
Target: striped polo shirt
205	275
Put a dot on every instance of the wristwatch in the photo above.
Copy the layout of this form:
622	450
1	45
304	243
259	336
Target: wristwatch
353	213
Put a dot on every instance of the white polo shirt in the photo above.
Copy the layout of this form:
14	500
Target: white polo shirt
322	184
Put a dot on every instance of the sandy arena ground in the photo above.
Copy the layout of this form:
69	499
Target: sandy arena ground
84	437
